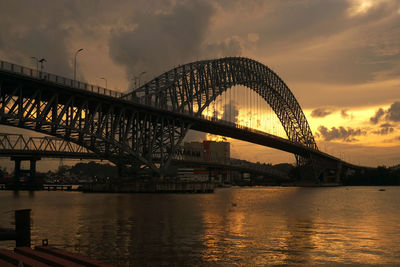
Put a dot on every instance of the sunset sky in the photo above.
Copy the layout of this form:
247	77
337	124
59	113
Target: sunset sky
340	58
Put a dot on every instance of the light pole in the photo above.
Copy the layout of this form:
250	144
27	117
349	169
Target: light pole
76	53
37	65
41	65
140	75
134	82
137	78
105	80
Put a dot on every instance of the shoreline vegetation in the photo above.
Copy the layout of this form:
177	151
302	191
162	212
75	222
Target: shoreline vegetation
380	176
375	177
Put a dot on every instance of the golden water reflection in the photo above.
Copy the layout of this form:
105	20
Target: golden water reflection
301	226
234	227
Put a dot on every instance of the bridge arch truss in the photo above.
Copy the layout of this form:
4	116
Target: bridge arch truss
190	88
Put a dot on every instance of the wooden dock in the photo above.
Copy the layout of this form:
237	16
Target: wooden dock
23	255
43	256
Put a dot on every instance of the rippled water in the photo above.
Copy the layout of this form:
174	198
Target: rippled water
236	226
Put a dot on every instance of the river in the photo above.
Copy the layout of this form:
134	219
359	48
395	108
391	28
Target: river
235	226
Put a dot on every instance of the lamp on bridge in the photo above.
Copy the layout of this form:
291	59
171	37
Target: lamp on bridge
76	53
41	65
137	78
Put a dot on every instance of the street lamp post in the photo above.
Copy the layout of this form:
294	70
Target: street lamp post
137	78
104	80
140	75
41	65
76	53
134	82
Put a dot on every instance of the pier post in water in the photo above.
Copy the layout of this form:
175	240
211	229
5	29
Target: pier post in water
23	228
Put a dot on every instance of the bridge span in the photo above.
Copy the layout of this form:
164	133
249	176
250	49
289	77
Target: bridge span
19	147
146	127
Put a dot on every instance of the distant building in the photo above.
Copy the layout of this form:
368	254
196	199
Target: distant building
208	150
193	150
193	174
216	151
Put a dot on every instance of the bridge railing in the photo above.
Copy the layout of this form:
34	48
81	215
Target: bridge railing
41	75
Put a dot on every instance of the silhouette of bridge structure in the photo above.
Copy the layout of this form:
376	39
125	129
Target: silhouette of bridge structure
21	148
146	127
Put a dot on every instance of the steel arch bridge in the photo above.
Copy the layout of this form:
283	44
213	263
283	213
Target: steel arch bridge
192	87
147	126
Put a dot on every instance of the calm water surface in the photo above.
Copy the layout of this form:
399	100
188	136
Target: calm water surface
235	227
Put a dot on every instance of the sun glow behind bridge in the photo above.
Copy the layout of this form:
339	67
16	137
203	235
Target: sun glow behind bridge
245	107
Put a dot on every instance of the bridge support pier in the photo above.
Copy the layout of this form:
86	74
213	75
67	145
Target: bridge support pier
18	172
338	172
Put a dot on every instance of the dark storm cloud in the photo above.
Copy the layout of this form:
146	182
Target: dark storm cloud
44	29
391	114
339	133
51	30
378	115
383	131
344	114
152	35
385	125
321	112
372	48
287	17
161	40
35	32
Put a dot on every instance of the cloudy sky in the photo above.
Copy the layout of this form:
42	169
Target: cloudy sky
340	58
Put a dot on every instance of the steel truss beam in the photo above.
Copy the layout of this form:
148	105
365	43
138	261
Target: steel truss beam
125	134
47	146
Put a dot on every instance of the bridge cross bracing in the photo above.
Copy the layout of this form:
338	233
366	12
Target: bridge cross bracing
47	146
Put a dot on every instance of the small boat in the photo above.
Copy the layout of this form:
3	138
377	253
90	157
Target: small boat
382	189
